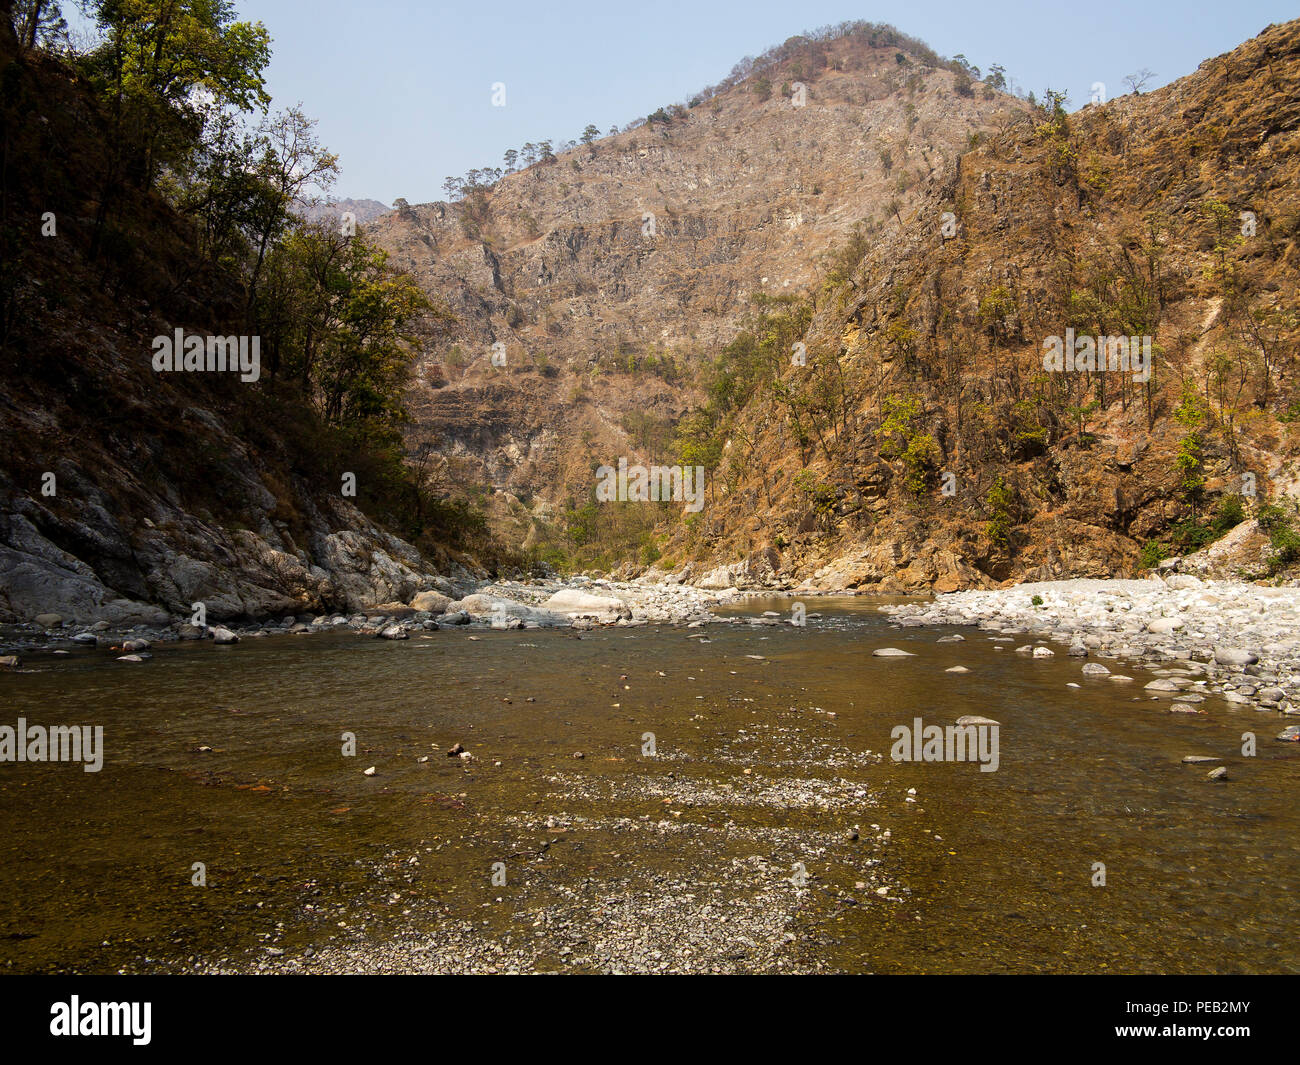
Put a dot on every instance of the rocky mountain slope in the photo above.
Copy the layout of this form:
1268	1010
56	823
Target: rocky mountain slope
127	495
605	277
912	237
947	455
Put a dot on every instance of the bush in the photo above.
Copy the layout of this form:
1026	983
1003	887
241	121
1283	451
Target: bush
1190	535
999	500
1286	547
1152	554
1271	517
1230	514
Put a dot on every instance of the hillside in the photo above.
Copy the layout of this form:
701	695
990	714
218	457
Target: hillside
362	211
614	272
126	494
1172	215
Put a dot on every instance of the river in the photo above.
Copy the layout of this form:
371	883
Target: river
731	847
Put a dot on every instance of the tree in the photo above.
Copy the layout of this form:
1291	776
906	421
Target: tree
972	72
165	68
344	326
590	134
1138	81
38	22
511	158
292	161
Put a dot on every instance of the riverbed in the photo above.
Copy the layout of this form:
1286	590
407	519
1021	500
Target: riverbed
638	799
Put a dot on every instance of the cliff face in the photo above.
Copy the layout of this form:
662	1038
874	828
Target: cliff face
126	493
611	274
946	454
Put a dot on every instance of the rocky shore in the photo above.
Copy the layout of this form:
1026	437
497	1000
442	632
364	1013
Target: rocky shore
580	603
1236	641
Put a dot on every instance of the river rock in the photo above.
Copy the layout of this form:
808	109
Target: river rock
1095	669
891	652
394	632
1217	774
223	635
490	607
975	719
431	602
577	603
48	621
1230	656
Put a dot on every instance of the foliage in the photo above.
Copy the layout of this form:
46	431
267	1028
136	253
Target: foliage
1000	500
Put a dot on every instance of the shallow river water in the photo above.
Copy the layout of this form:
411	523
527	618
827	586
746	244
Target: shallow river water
527	857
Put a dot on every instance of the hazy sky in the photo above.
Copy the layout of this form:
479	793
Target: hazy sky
403	90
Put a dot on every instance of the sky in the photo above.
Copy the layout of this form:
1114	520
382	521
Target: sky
404	91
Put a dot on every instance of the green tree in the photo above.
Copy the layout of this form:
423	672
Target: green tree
164	68
345	327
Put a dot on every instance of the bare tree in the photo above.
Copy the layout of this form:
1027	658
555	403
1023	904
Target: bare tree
1138	81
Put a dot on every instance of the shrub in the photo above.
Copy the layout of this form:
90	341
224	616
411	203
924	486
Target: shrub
1230	514
1152	554
1286	547
999	500
1271	517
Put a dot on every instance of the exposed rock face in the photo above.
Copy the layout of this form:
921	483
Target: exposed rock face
164	567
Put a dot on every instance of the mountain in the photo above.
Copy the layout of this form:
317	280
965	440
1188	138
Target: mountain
612	272
923	236
835	281
927	444
362	211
